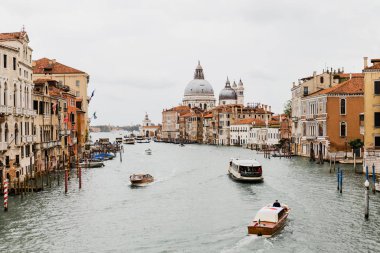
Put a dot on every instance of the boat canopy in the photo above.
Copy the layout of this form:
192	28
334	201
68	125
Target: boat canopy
246	162
268	213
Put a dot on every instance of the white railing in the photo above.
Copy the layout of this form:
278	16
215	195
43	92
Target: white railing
9	109
3	109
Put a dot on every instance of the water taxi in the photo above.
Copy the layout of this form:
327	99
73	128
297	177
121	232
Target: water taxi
148	151
130	141
119	140
141	139
141	179
268	220
247	170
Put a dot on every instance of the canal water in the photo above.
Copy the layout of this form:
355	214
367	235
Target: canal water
192	207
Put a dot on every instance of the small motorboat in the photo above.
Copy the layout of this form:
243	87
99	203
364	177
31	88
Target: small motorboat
268	220
91	164
103	156
181	145
248	170
148	151
141	179
377	186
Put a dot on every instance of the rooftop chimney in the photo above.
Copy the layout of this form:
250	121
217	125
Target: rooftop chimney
350	76
314	73
365	62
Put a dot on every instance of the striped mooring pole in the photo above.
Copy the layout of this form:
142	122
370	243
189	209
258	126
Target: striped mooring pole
5	195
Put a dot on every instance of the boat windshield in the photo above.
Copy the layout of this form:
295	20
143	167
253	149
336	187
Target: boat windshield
250	171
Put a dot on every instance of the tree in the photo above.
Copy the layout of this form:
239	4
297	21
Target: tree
356	144
288	108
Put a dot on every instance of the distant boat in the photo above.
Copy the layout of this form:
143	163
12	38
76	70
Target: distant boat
248	170
129	141
141	179
148	151
268	220
181	145
141	139
119	140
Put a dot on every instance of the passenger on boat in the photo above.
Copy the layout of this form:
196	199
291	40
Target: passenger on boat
276	204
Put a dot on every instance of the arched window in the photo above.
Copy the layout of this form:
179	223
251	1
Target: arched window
343	129
342	106
190	105
322	79
304	129
16	134
6	132
14	95
5	94
205	106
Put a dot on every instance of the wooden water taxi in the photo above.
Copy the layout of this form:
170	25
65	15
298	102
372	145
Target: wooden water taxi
141	179
248	170
268	220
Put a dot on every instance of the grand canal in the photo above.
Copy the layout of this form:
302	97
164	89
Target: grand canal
192	207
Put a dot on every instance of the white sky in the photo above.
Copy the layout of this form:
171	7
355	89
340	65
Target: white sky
141	54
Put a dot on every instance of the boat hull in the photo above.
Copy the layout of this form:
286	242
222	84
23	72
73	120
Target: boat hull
237	177
266	228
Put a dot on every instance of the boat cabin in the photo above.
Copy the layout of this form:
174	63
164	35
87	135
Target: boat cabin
247	168
269	214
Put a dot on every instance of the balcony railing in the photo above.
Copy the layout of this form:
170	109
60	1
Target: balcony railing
17	111
9	109
3	109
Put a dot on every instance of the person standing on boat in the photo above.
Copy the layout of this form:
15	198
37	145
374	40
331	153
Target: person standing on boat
276	204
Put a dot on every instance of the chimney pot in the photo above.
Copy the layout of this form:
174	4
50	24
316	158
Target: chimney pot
365	62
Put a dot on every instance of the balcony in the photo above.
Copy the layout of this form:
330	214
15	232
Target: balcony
17	111
65	132
3	109
28	138
9	110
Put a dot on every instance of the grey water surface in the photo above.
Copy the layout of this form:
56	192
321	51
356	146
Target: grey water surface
192	207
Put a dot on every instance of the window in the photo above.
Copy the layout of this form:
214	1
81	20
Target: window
343	129
77	94
5	61
321	79
14	63
377	87
305	90
377	141
342	106
77	83
377	119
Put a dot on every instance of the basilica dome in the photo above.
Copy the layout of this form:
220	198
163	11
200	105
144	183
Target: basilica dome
228	93
199	86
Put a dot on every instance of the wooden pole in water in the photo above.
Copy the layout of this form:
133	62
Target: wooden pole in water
354	162
80	177
121	157
330	163
366	197
338	178
341	180
5	194
373	179
334	161
66	179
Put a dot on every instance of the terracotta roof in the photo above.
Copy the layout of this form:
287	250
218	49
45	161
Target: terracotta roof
353	86
44	80
347	75
10	36
209	115
250	121
374	66
48	66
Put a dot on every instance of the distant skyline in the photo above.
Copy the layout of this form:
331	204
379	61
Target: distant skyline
140	55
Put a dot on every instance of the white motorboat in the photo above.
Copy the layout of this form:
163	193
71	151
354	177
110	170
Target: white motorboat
148	151
247	170
377	187
141	139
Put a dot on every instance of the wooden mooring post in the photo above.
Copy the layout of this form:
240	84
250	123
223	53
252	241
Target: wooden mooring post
338	179
5	194
373	179
366	199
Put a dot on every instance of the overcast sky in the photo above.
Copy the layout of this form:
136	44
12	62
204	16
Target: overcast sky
141	54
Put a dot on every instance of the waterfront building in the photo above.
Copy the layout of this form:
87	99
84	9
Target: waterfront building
306	86
192	127
170	122
78	81
148	129
330	118
16	114
371	117
208	133
47	99
199	92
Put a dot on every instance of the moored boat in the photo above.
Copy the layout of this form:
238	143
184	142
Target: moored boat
268	220
141	179
91	164
377	187
130	141
103	156
141	139
247	170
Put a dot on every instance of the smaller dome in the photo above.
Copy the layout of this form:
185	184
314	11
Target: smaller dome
227	93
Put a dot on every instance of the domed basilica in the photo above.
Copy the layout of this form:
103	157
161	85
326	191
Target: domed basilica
199	92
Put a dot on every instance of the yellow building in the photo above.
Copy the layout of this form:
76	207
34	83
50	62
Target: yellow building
77	80
371	114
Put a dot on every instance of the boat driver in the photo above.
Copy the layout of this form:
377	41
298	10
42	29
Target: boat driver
276	204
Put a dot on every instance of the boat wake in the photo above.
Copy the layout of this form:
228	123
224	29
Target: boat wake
245	244
168	177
